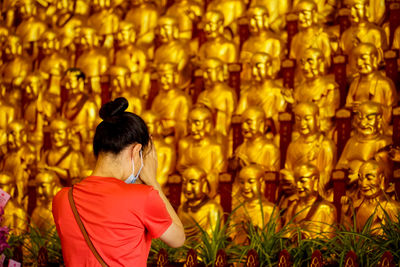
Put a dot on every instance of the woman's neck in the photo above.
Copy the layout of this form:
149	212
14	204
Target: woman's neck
109	166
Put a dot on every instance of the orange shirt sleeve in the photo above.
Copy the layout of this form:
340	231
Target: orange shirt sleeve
157	219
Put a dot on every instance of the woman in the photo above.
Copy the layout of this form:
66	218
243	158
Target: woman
119	214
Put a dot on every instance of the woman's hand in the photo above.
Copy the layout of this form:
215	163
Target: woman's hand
149	171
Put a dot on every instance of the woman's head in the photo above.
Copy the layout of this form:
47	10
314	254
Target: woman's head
119	129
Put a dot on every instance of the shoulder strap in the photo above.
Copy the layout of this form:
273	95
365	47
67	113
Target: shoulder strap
83	230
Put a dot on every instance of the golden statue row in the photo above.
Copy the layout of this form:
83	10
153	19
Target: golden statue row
60	61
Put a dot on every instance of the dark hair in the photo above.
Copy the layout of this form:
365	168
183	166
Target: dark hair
118	128
78	73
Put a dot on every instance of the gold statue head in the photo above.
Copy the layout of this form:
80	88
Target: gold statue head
287	182
119	78
368	119
312	63
27	8
168	29
88	38
16	135
200	122
251	181
59	133
307	12
253	122
213	22
365	56
12	47
194	184
359	10
168	75
49	42
306	177
214	71
261	65
33	85
126	34
45	184
153	122
307	118
371	180
75	80
7	182
258	19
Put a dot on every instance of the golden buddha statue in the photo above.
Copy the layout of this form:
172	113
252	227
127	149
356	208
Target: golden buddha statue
218	96
311	34
31	28
79	108
15	217
368	142
311	147
217	46
62	159
129	55
16	65
256	148
93	61
198	207
53	66
261	40
231	10
318	87
144	15
105	21
265	92
186	12
166	153
361	30
201	149
373	201
255	208
314	216
46	187
120	86
171	103
18	160
172	49
371	84
277	11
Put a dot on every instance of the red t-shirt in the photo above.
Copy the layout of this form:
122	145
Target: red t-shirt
121	219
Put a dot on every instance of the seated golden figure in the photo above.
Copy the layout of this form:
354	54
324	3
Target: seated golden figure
218	96
201	149
371	84
79	108
129	55
373	201
171	104
256	148
217	46
145	16
254	209
315	216
53	65
362	31
265	92
166	153
15	217
198	206
172	49
231	10
311	147
46	187
368	141
19	159
311	34
318	87
261	40
120	86
62	159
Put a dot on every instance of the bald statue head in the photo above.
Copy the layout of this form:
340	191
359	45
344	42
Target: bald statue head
366	57
307	118
253	122
371	179
261	65
306	178
213	22
200	122
251	181
194	184
214	70
258	19
307	13
168	28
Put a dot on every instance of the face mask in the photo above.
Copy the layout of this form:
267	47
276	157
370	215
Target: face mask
132	178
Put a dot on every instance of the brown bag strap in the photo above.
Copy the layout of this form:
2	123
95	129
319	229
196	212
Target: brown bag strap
83	230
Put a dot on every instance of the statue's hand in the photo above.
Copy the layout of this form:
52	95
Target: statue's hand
287	94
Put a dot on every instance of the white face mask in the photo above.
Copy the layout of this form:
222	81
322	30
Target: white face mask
132	178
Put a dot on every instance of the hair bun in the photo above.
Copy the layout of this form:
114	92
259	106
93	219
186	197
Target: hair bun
110	110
